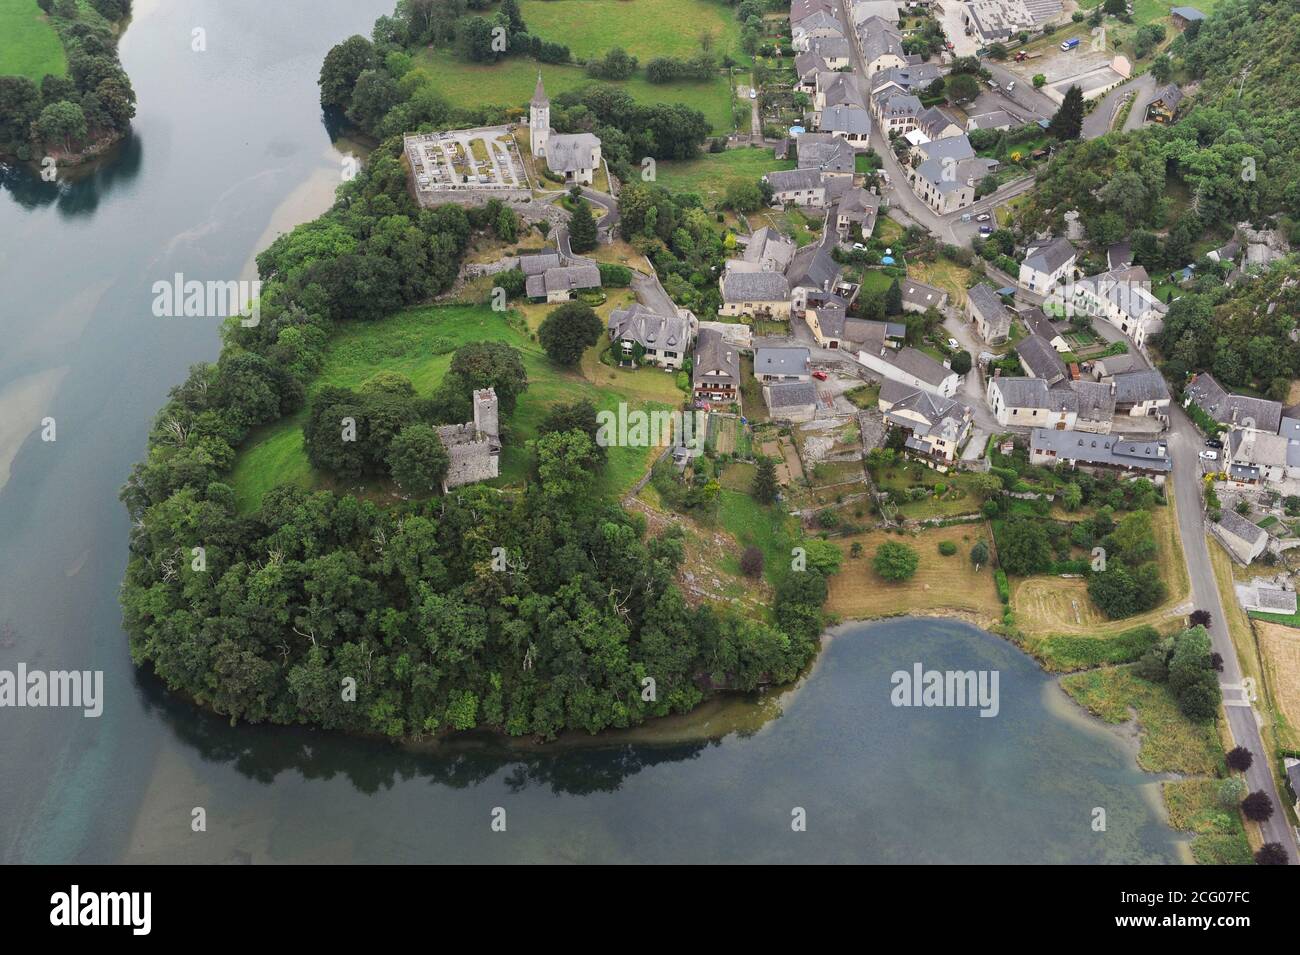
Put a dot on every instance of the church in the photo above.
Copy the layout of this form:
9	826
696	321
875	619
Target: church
575	156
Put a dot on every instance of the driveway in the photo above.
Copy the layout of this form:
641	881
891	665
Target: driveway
1098	122
1184	444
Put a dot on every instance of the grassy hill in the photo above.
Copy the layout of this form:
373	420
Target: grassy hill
28	44
418	343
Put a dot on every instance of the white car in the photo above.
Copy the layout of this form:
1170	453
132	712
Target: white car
983	217
954	344
1209	455
753	94
859	247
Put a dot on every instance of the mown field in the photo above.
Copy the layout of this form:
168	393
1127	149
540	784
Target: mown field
940	583
418	343
29	46
1280	647
644	28
712	173
511	83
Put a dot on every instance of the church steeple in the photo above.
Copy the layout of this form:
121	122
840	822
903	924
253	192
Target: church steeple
539	119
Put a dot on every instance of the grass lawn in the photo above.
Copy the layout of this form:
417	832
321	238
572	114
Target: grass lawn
418	343
1220	836
1280	647
1171	743
644	28
30	44
712	173
1080	651
906	474
940	584
511	83
770	529
1050	605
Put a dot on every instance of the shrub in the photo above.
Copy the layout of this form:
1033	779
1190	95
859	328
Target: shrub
947	548
895	562
751	562
1004	588
1240	759
1258	807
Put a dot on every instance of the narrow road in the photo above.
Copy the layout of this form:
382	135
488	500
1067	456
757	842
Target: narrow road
1024	98
1098	122
1184	446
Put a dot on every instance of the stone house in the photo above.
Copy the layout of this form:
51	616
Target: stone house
474	447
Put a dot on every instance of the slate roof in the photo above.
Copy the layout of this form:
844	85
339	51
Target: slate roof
1239	527
1169	95
1119	255
717	361
858	205
781	361
1103	449
1273	600
1258	449
985	300
1033	393
906	77
944	417
932	121
1187	13
997	119
950	147
790	394
755	287
572	151
848	119
1093	399
1038	323
920	295
794	180
1135	387
571	278
878	37
1231	409
1041	359
769	249
823	152
812	267
639	324
1049	256
1291	431
920	365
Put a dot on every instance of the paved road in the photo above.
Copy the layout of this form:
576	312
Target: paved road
1184	445
1024	99
1097	123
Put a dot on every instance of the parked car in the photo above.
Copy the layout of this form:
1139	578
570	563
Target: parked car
753	94
986	231
1070	44
859	247
983	217
1209	455
993	84
954	344
1213	443
820	375
1011	86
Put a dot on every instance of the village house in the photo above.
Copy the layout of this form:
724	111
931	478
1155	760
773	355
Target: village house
931	124
880	44
996	119
1243	540
893	99
855	214
1140	394
474	448
1163	105
829	155
835	89
1093	452
990	315
1031	403
574	157
811	271
1047	263
947	173
794	401
754	294
815	21
1234	411
936	426
1106	368
799	187
886	10
849	123
782	364
553	277
715	373
1122	297
919	297
832	328
663	340
1040	360
911	367
1037	323
1257	458
766	250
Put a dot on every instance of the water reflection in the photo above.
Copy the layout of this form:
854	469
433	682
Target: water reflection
79	189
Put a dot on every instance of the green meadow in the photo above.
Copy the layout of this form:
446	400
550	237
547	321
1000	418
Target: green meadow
418	343
511	82
29	46
712	173
644	28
